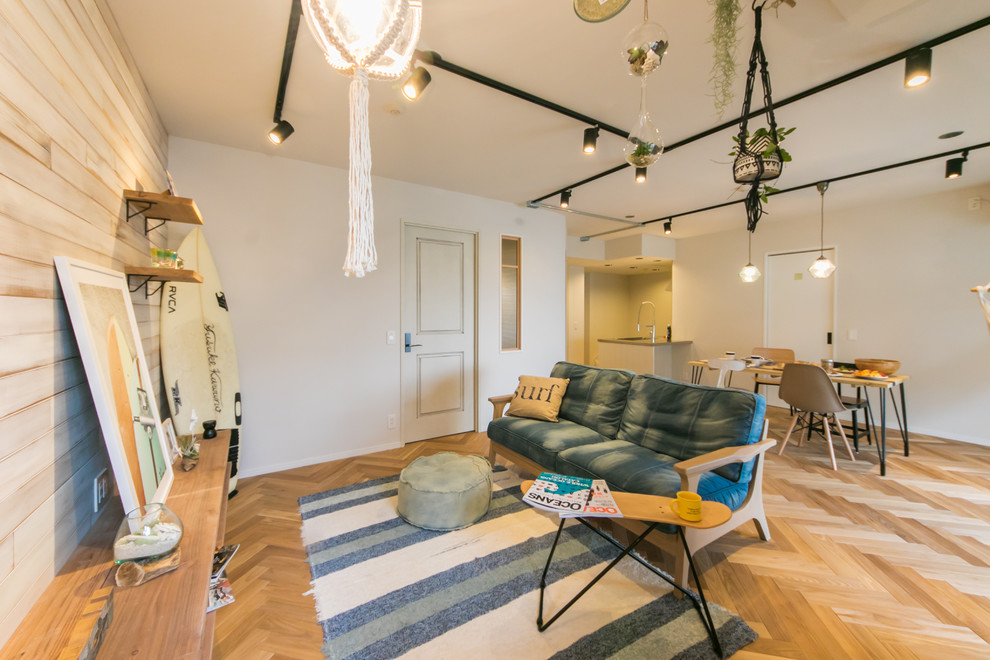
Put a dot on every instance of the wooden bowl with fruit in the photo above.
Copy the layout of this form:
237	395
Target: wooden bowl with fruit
885	367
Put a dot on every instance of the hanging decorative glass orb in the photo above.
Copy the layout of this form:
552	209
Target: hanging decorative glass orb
749	273
377	35
644	144
644	48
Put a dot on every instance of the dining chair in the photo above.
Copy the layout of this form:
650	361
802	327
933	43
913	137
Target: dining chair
778	355
808	389
725	366
855	404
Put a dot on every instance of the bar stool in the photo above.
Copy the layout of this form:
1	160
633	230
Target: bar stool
725	366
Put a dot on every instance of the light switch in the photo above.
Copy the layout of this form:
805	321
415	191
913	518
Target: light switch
390	337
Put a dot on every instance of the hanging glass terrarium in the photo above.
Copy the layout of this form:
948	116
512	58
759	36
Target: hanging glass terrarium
644	47
644	144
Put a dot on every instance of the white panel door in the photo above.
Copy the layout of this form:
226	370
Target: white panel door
800	309
438	318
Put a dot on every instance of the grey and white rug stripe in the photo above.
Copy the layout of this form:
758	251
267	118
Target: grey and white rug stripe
386	589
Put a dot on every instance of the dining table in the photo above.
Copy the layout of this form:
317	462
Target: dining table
887	384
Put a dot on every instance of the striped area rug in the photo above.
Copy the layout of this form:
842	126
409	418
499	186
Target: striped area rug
386	589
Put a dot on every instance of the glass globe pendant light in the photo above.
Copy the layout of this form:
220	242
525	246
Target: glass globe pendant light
749	272
823	266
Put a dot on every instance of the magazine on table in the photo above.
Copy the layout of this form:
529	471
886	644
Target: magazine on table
572	497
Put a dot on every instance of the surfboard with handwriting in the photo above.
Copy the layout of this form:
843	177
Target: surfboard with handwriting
199	359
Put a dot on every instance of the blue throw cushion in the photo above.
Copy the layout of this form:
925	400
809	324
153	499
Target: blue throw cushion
628	467
682	420
595	397
538	440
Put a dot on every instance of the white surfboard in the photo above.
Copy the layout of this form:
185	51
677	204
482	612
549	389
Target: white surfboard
199	362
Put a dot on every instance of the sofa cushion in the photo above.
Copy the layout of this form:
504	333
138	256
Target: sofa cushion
682	420
537	398
540	441
631	468
595	397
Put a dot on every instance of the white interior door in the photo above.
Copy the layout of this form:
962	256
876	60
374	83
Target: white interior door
800	309
438	319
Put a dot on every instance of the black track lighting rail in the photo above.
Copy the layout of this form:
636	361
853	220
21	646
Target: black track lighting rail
842	177
290	46
433	58
869	68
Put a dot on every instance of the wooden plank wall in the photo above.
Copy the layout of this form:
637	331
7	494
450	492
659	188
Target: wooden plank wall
77	127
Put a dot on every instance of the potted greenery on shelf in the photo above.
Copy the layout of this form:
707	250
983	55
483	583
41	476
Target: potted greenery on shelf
762	159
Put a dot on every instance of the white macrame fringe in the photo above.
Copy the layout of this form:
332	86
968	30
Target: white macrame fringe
361	255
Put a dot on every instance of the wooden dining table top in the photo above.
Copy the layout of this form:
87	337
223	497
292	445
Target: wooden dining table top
836	376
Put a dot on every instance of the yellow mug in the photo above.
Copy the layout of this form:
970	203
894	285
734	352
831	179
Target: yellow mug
687	505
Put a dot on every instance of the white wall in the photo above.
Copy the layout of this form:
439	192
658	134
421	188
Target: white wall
905	269
317	377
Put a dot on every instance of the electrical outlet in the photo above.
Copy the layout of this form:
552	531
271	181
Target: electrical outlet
101	490
974	203
391	422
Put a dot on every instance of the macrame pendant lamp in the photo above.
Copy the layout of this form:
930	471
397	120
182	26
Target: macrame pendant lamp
362	39
753	165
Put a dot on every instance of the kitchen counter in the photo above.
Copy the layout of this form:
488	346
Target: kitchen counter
643	342
642	356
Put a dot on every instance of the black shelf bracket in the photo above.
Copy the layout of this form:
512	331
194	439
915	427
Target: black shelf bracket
143	284
141	208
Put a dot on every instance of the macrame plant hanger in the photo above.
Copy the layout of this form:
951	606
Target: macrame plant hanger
754	208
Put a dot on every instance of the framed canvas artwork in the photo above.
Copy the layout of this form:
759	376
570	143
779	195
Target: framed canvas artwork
110	347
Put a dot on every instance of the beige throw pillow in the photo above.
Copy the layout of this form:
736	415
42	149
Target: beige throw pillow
538	398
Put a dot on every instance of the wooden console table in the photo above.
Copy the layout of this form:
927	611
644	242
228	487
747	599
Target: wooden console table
163	618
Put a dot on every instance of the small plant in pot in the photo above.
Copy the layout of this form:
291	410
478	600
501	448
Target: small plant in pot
762	159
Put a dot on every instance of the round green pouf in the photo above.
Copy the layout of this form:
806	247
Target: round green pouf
445	491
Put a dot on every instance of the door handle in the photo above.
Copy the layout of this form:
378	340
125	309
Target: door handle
409	346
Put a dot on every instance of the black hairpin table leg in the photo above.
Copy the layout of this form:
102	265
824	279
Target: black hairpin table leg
698	600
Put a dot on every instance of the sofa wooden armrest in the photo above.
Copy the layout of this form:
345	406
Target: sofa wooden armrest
499	403
751	508
716	459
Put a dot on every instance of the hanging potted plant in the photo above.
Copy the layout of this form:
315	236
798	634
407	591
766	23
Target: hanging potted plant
760	159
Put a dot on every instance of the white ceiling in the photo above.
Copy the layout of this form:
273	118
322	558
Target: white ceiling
212	68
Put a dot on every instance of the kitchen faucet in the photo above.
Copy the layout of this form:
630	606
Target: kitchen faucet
653	325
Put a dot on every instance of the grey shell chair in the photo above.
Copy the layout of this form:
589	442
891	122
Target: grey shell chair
808	389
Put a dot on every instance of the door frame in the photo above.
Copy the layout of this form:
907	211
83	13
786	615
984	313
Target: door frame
766	287
403	224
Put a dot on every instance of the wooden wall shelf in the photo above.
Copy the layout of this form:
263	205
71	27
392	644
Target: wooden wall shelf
146	274
164	618
161	206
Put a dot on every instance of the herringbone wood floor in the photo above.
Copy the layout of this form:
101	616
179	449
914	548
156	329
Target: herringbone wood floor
859	566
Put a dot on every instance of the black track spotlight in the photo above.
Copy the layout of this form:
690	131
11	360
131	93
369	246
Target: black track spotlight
640	174
565	199
417	81
954	166
666	228
281	132
590	139
918	67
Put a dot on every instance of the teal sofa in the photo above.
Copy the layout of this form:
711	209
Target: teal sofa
646	434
